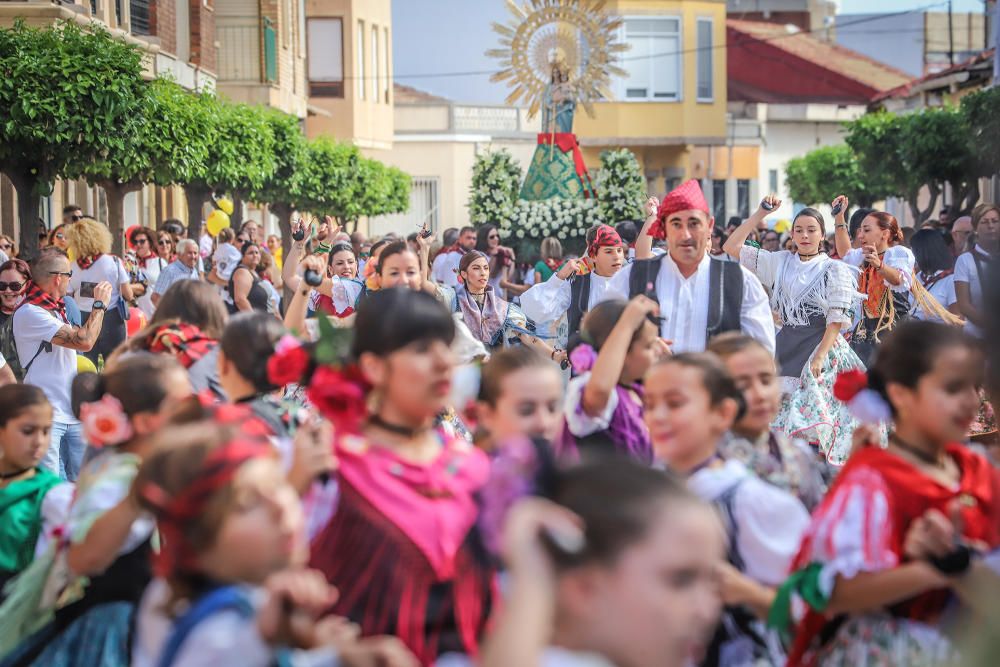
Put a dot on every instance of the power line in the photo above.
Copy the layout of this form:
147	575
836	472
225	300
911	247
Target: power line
748	40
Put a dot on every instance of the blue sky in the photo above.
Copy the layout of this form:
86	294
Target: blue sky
438	45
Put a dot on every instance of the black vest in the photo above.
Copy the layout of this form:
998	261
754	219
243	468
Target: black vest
725	292
579	302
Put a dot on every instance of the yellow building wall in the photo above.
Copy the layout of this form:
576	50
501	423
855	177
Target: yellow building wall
623	123
366	122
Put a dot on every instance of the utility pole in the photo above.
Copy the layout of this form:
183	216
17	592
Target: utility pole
951	38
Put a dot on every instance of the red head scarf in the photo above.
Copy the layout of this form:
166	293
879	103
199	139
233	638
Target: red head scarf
174	515
606	237
687	197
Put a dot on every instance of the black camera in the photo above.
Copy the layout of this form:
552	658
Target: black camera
312	278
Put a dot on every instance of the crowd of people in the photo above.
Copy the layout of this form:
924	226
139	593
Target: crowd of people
690	445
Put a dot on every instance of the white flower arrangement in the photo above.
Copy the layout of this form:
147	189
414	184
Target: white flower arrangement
562	218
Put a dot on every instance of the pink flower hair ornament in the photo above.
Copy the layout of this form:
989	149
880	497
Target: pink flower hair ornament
105	422
582	358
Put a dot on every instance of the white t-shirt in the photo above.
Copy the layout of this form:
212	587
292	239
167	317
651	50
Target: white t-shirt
943	291
83	282
52	372
966	272
225	260
151	272
444	270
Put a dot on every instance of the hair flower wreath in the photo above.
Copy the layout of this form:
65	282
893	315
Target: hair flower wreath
105	422
864	403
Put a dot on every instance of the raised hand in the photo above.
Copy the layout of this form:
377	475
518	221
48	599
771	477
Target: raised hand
568	269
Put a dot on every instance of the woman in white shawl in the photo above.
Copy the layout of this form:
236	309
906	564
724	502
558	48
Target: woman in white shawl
813	297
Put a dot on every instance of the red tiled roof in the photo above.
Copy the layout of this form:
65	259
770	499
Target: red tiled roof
832	57
410	94
971	63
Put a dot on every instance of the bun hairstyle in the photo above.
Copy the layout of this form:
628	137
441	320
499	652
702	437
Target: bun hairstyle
16	398
138	380
394	248
815	215
248	341
887	222
714	378
468	258
907	353
615	497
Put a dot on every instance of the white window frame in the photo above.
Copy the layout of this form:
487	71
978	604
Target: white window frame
376	70
386	83
621	83
309	64
711	58
359	57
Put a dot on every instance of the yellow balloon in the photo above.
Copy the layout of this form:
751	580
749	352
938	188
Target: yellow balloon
84	365
226	204
217	221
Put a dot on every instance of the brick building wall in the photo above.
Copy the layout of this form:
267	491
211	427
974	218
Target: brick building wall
163	24
203	51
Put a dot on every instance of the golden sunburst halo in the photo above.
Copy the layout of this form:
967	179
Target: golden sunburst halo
579	33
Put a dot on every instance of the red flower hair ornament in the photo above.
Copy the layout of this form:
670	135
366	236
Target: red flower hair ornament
336	388
864	403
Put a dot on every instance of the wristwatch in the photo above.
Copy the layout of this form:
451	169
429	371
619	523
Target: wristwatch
99	305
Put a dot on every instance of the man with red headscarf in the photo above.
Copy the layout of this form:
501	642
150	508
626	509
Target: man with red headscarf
699	297
572	294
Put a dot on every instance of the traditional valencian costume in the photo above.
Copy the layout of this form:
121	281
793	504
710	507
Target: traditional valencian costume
717	297
861	527
401	548
885	305
30	509
548	302
808	296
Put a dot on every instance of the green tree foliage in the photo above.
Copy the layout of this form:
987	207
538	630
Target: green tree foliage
282	189
165	147
982	114
66	95
928	148
820	175
621	188
241	153
496	181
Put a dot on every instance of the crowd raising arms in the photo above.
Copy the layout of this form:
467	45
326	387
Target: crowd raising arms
358	501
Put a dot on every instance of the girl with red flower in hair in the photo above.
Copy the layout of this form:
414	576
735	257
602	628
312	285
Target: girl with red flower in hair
73	605
400	544
870	597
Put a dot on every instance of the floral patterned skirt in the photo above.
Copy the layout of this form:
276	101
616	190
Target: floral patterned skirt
880	640
810	412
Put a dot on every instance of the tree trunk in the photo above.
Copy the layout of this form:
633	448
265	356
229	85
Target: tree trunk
115	193
196	197
236	219
284	214
27	212
921	216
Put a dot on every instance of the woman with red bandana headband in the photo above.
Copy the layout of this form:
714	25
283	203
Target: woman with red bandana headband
567	293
